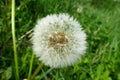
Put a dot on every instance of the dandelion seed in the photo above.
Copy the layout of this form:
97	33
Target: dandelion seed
79	9
58	40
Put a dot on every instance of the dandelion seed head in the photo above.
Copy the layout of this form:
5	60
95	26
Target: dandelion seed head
58	40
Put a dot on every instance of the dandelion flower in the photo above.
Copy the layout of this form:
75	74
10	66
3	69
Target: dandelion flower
58	40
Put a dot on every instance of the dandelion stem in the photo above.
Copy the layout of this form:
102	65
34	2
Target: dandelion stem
37	71
30	70
14	39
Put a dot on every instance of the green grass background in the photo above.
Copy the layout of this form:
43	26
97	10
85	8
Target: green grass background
100	20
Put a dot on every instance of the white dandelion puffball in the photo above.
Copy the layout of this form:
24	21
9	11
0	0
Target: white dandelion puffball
58	40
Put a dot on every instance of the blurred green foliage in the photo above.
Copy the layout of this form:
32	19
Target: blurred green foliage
100	20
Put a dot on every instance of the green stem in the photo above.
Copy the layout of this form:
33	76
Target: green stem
37	71
30	70
14	39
